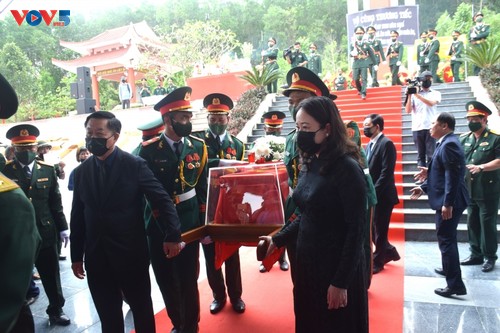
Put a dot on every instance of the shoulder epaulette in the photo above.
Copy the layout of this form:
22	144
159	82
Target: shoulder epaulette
150	141
494	132
6	184
196	138
236	139
9	162
44	163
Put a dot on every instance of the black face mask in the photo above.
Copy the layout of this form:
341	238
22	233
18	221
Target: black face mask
181	130
25	157
367	131
426	84
305	142
97	146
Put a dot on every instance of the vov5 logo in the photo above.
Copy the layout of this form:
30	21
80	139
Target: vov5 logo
35	17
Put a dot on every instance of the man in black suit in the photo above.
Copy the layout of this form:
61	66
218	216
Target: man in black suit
381	156
107	226
444	183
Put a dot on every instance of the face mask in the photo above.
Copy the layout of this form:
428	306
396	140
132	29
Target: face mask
305	142
426	83
431	37
367	131
371	35
97	146
25	157
455	38
359	37
475	126
312	50
270	44
394	39
424	40
479	19
217	129
181	130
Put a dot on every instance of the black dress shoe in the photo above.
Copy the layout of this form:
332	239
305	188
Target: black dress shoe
284	265
262	269
488	265
61	320
472	261
392	256
216	306
447	292
238	305
440	271
377	269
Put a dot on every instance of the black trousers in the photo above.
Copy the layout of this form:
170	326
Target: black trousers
107	283
24	323
447	241
178	282
47	264
425	146
216	278
381	219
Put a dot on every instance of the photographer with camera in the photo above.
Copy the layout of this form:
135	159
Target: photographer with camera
422	104
294	56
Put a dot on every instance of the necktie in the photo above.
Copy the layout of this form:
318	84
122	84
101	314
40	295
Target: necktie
217	143
177	148
27	171
369	150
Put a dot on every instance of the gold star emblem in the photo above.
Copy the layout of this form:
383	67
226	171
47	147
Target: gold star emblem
471	107
24	132
295	77
216	101
187	97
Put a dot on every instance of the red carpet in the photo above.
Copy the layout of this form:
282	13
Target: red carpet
269	301
268	296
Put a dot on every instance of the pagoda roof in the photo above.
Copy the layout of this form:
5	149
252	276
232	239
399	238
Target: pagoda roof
139	33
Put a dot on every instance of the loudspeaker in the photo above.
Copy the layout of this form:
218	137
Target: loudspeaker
84	90
85	105
83	75
74	90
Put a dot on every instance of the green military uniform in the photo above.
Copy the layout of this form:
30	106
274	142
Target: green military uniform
422	52
19	238
433	58
298	79
484	187
395	56
315	64
42	189
296	58
340	82
456	52
363	55
185	179
149	130
378	50
478	34
271	52
159	90
228	148
272	65
170	88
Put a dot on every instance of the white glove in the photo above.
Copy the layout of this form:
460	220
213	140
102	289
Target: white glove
473	35
354	53
422	53
384	62
375	68
398	63
206	240
453	58
427	60
64	235
263	52
418	67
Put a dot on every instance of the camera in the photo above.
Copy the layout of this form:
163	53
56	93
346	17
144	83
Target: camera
413	84
287	51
